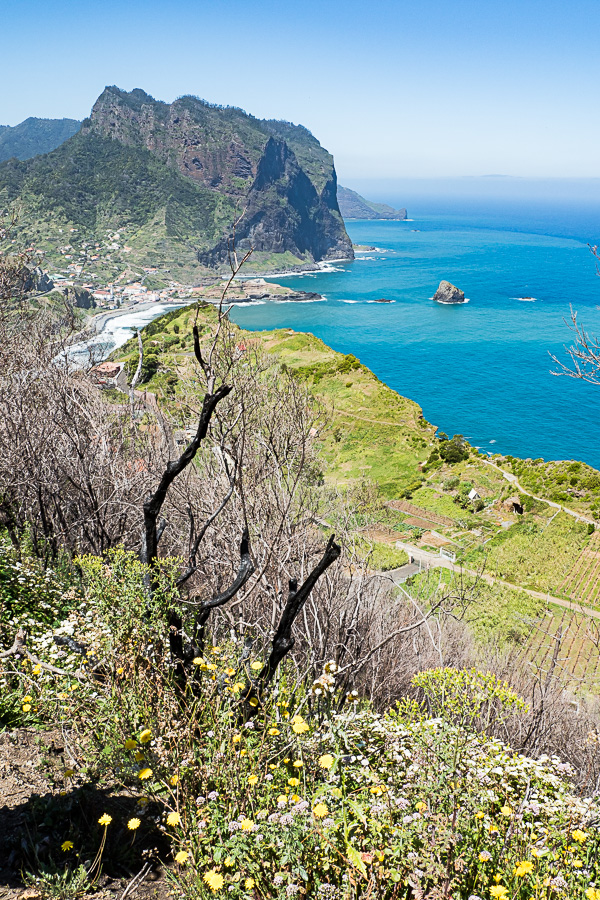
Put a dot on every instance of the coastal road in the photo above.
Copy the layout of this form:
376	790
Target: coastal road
424	560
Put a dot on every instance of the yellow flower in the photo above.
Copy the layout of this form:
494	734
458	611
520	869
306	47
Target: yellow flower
105	819
139	756
479	815
130	744
133	824
295	798
27	699
66	845
293	782
239	685
498	892
247	824
26	707
273	731
120	670
320	811
243	752
253	701
198	661
524	868
256	665
181	857
145	736
297	763
252	779
282	798
213	879
299	727
236	738
506	811
420	806
36	670
579	836
593	893
326	761
173	818
249	884
230	671
145	773
228	861
174	779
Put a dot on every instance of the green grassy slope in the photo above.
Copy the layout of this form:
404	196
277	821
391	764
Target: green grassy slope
370	433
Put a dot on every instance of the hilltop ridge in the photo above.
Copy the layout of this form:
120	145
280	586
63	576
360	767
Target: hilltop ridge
34	136
353	206
173	178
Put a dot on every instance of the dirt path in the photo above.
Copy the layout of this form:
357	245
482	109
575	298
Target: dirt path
513	480
341	412
431	560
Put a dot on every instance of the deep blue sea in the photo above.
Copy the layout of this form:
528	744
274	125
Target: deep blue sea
481	369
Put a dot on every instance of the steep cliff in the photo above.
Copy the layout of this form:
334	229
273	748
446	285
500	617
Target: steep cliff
173	178
285	214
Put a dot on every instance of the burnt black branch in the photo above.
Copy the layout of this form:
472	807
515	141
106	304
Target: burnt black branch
154	501
283	641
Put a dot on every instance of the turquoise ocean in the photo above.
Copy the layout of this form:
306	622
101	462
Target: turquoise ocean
481	369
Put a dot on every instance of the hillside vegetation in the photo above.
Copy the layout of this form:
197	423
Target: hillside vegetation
35	136
230	692
171	180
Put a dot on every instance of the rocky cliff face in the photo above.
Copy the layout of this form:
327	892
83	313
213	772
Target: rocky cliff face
278	172
285	214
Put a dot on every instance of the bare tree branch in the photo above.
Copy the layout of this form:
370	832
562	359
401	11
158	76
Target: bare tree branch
584	353
154	501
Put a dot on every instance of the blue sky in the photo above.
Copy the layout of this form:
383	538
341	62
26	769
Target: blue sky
392	88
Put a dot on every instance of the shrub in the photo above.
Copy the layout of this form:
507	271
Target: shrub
454	451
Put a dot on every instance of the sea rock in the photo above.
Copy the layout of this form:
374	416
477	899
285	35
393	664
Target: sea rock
298	296
448	293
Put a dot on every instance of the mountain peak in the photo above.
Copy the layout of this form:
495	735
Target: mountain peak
177	175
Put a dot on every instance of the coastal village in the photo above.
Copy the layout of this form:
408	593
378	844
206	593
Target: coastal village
101	272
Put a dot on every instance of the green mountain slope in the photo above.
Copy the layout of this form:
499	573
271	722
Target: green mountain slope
172	179
35	136
353	206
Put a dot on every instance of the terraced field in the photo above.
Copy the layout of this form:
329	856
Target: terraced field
568	644
583	581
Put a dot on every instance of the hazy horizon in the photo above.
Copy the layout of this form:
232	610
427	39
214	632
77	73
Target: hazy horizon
431	90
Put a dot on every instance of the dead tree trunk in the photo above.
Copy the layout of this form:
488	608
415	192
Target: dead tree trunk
283	641
154	502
